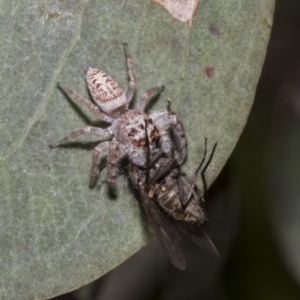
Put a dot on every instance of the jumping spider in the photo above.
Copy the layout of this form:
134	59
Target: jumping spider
127	127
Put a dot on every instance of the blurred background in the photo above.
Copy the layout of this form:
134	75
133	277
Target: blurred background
254	205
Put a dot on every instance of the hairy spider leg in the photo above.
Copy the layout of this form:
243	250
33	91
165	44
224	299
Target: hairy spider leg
164	120
114	157
103	133
146	96
131	74
98	150
79	99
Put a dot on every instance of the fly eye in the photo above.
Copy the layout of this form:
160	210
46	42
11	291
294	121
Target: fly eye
132	132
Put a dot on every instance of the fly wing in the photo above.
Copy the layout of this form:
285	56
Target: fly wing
165	230
200	237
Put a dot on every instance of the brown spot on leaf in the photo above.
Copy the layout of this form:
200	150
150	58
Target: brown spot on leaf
210	72
214	30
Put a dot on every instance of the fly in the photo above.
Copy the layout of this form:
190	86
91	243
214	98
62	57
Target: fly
171	200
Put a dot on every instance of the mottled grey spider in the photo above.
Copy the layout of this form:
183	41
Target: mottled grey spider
127	125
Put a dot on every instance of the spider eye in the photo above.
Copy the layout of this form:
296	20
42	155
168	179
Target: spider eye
132	132
150	121
141	126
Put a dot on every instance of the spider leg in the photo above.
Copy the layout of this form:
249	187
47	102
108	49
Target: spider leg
86	130
79	99
164	120
147	95
114	156
98	150
166	142
179	134
131	74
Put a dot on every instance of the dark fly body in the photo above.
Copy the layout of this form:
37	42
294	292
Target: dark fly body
172	202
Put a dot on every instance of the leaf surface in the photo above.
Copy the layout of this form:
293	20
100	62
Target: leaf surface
56	233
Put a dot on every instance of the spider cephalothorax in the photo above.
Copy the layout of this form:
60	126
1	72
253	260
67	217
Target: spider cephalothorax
129	136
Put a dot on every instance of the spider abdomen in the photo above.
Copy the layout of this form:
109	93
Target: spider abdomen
107	93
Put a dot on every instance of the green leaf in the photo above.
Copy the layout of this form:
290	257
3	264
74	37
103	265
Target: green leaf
56	233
